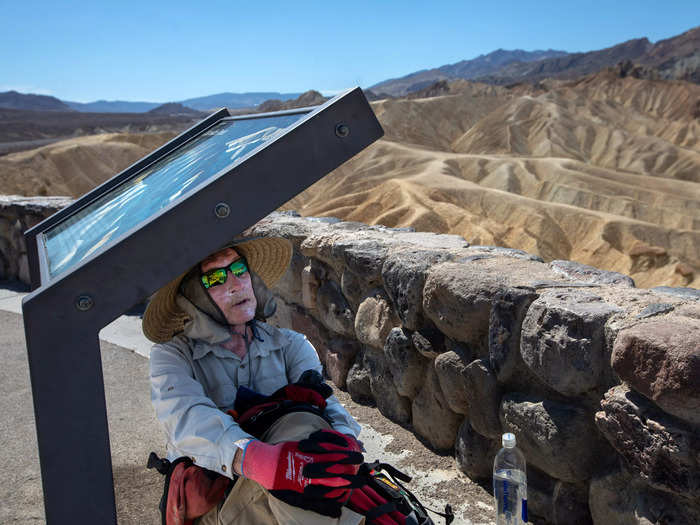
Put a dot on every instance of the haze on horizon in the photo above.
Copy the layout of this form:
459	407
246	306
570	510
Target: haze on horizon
161	52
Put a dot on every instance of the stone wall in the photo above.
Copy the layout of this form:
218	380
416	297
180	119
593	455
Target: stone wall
18	214
599	380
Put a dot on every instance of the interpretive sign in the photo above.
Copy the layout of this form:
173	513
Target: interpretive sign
168	179
125	239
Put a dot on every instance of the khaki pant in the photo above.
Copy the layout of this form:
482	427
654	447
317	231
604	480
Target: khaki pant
250	504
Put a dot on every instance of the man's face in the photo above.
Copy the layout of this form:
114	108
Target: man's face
235	297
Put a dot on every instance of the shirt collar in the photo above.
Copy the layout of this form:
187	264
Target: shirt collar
272	339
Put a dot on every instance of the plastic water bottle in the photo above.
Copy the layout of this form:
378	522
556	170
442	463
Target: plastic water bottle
510	483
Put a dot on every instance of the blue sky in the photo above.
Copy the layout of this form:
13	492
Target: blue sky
162	51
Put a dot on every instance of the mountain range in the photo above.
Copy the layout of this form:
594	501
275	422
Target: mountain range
673	58
15	100
206	103
467	69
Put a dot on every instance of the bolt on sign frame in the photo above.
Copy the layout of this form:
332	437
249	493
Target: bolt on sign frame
122	241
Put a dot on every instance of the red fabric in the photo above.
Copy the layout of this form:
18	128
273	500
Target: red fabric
192	493
365	499
281	466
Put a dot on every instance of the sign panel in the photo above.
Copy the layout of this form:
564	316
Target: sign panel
220	147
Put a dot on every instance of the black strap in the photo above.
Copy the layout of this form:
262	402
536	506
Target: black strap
161	465
165	467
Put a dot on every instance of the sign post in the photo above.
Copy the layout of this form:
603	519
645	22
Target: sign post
127	238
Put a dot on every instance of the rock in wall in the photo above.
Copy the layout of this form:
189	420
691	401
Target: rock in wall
17	215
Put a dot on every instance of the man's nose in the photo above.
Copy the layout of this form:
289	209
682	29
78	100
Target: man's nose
235	283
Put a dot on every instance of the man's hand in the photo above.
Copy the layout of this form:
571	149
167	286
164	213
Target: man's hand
322	465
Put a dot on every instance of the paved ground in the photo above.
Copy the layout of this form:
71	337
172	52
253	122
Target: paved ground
134	432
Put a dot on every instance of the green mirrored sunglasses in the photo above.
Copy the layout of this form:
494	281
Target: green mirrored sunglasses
218	276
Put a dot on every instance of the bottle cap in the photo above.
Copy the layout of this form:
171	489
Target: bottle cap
508	440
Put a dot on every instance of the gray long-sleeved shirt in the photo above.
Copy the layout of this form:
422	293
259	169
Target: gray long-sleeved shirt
194	381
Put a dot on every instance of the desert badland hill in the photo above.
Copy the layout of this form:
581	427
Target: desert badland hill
75	166
604	170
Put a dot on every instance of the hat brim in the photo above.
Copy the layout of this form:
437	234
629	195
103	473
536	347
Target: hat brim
267	257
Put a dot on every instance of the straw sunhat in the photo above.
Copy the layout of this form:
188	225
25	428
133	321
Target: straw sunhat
267	257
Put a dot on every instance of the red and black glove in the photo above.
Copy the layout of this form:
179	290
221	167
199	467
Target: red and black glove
377	509
255	413
316	473
300	394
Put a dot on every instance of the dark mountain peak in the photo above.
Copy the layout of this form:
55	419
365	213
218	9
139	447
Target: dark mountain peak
683	45
497	53
174	108
507	53
642	45
16	100
439	88
308	98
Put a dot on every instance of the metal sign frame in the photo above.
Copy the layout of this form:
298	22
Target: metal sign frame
63	316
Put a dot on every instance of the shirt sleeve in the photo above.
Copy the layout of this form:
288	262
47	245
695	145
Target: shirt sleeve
194	425
301	356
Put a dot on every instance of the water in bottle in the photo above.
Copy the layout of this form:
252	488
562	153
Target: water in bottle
510	483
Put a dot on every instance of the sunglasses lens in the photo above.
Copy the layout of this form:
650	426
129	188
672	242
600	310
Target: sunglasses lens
238	267
219	277
214	277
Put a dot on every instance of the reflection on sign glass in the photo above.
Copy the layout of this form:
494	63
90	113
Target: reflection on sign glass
167	180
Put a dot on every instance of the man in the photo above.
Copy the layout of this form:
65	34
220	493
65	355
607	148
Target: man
208	345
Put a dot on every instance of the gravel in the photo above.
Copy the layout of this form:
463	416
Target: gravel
436	478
